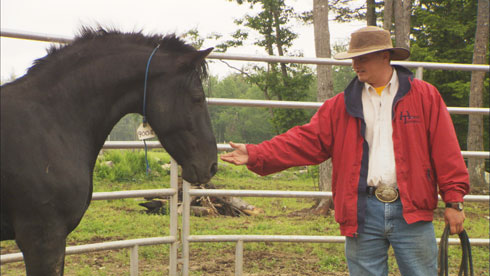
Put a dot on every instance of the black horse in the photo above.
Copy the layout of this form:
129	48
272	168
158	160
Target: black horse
55	119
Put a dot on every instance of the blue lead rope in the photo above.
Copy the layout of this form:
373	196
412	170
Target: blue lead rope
146	158
146	81
144	104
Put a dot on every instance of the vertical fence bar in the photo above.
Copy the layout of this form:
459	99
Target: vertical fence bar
186	213
419	74
174	219
239	258
133	261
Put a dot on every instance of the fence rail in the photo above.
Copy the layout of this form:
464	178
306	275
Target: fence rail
262	58
94	247
316	105
222	147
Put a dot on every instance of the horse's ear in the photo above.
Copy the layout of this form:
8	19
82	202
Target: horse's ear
192	59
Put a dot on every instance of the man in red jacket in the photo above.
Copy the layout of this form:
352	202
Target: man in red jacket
393	149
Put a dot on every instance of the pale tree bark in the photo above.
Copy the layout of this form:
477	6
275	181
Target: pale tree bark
280	51
371	12
403	11
325	90
388	15
476	167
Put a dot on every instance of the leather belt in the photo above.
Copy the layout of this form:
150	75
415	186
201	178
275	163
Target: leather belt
383	193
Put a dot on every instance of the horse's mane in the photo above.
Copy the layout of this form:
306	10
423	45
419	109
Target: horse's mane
169	43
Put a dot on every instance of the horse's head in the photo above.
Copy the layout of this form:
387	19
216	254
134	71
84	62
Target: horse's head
177	111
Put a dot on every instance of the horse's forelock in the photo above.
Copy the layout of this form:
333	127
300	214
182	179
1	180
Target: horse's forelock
172	43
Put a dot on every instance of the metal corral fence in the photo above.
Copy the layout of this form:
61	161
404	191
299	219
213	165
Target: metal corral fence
133	244
188	192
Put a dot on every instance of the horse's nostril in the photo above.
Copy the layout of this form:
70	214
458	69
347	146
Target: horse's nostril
214	169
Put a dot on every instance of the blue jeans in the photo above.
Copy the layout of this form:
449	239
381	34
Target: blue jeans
414	244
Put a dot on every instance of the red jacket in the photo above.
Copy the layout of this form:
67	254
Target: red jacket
427	153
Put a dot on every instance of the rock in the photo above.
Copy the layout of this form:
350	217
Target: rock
109	164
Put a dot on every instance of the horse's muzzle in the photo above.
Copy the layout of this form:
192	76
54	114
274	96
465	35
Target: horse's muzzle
214	169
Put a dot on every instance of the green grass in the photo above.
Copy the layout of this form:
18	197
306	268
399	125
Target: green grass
125	219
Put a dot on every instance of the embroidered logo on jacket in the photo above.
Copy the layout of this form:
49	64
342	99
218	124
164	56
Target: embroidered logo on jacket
407	118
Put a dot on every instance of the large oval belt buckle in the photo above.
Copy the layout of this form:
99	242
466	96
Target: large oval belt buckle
386	193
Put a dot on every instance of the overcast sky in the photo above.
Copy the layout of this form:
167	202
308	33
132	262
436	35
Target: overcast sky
65	17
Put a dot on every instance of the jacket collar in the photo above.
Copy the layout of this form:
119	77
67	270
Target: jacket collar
353	92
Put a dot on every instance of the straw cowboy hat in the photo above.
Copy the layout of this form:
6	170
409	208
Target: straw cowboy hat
369	40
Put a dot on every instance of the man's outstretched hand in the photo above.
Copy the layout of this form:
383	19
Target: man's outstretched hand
238	157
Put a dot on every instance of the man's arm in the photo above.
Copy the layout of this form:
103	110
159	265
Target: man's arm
449	165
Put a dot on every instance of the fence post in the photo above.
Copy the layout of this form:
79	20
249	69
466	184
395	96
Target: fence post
174	222
239	258
419	74
186	213
133	261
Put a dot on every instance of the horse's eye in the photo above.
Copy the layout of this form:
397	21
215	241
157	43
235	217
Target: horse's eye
198	98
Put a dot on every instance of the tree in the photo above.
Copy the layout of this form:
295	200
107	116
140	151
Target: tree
371	12
125	129
277	81
347	10
476	167
238	124
444	31
325	90
388	15
403	11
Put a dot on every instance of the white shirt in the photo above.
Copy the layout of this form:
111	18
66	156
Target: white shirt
377	115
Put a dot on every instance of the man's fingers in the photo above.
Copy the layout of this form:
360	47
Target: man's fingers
453	229
233	145
238	146
231	160
456	229
455	219
227	157
230	157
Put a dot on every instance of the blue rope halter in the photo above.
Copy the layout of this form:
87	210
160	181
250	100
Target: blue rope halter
144	104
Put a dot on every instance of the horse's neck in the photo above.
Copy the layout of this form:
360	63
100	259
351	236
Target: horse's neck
94	100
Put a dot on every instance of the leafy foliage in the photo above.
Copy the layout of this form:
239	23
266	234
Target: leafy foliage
129	165
444	31
348	10
125	129
273	32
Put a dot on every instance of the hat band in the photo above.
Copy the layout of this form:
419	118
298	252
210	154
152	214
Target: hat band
370	49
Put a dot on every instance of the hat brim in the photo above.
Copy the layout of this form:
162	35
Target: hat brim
396	53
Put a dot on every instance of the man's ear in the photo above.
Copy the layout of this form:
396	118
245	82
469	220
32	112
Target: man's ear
193	59
388	54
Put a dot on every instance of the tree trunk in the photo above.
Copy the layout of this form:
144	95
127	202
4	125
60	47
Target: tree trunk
388	15
476	167
280	51
403	11
325	90
371	12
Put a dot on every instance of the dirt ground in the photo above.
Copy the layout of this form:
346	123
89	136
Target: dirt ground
201	263
218	263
